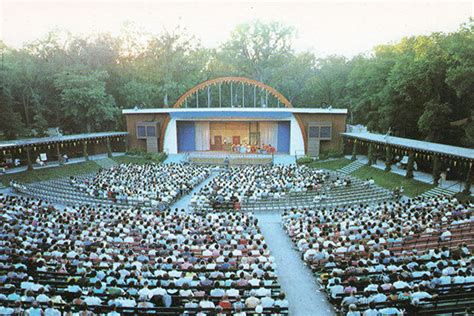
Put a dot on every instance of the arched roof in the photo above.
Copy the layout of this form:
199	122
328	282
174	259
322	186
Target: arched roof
243	80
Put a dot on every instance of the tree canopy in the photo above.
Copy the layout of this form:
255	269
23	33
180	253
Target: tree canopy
420	87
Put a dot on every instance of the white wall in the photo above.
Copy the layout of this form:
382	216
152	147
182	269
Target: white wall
296	138
170	143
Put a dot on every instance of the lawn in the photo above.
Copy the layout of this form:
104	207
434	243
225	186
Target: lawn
391	181
131	159
330	164
51	173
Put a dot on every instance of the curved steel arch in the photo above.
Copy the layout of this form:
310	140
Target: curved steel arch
244	80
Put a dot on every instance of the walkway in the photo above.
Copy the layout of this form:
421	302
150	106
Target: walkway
183	202
296	280
417	175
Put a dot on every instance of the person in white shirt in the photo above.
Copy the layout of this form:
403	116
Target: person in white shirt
336	289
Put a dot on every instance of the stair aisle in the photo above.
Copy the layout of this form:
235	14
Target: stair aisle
350	168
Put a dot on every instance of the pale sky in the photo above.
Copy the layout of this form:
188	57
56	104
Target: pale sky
323	27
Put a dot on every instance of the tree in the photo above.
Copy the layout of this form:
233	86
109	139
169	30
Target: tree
85	103
329	84
10	121
434	122
256	48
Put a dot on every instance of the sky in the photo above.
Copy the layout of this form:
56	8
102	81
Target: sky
324	27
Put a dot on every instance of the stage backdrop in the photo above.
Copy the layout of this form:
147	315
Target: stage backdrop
268	133
199	135
203	136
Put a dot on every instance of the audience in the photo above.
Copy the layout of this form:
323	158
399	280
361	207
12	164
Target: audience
388	254
256	183
149	184
92	257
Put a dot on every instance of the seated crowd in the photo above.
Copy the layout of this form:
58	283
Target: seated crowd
390	258
149	184
108	260
257	183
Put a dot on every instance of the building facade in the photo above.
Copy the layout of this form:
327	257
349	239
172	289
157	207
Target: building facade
256	115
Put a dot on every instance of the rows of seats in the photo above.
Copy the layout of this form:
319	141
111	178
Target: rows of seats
412	256
133	260
235	185
60	191
231	161
356	192
106	188
153	184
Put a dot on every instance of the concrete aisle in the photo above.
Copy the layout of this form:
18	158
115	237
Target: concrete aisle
296	280
183	202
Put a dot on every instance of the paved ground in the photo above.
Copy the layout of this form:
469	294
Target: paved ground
183	203
295	278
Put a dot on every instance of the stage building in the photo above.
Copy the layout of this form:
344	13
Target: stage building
220	113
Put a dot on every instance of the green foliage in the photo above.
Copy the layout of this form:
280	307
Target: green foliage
415	87
11	124
332	164
327	154
136	152
84	99
149	157
304	160
51	173
391	181
434	122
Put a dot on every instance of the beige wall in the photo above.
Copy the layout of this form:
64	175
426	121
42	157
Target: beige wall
133	119
229	129
338	127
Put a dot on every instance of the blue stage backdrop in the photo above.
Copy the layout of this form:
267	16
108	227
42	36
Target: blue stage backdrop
186	136
284	137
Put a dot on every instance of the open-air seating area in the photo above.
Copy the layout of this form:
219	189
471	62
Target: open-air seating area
157	185
413	257
135	260
60	191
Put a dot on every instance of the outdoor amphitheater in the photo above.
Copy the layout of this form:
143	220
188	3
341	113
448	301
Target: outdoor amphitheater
198	159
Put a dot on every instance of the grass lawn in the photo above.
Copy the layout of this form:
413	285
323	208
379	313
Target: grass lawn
391	181
330	164
131	159
51	173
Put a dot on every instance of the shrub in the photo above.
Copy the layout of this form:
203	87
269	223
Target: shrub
135	152
152	157
304	160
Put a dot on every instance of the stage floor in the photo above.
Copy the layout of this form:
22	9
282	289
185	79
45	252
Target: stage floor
278	158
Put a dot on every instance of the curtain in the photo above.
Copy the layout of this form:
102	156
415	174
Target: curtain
203	136
268	133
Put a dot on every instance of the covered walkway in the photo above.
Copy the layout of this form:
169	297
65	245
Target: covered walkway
439	159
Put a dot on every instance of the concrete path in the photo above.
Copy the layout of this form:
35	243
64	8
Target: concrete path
183	202
296	280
